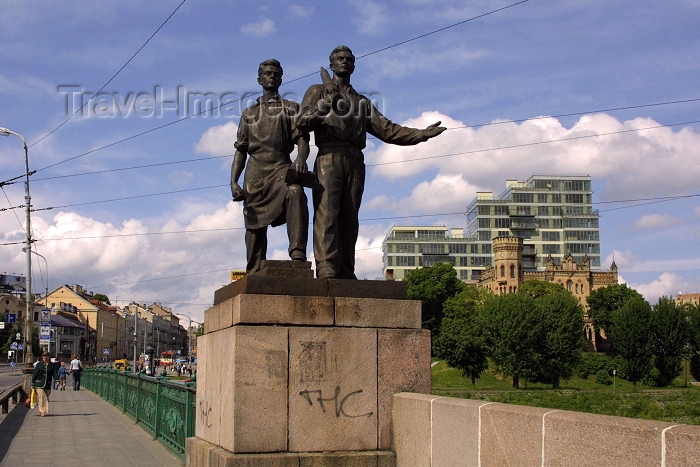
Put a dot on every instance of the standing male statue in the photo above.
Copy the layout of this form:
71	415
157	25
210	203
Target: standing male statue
340	119
266	133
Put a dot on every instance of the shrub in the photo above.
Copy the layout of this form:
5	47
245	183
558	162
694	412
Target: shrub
603	377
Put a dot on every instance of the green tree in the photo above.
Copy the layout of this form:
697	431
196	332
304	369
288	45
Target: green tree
461	342
102	298
632	333
536	289
559	317
508	322
604	301
693	312
670	339
433	286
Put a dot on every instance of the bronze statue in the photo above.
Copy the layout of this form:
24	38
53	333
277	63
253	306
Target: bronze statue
340	119
266	133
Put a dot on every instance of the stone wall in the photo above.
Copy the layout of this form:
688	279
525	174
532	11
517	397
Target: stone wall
442	431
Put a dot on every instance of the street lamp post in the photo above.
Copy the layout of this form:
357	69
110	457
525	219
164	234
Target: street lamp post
28	241
189	336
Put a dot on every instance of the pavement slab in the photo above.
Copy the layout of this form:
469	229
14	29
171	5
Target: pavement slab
82	429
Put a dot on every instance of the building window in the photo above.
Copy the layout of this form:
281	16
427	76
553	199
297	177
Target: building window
503	223
458	248
405	248
512	271
550	236
500	210
574	198
569	285
503	271
405	261
484	223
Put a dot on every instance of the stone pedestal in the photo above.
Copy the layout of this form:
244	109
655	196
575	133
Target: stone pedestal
305	376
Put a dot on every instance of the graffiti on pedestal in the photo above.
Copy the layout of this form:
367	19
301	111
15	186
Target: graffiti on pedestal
204	411
339	402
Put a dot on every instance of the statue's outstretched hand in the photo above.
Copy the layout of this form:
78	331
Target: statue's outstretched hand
433	130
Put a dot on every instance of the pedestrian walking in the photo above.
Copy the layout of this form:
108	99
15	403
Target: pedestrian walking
43	375
62	374
76	369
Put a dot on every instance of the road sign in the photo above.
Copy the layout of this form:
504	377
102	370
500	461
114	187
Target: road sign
105	351
13	346
10	317
46	316
2	325
44	332
12	364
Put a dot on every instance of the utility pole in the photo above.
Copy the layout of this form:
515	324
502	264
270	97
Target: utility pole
136	328
28	357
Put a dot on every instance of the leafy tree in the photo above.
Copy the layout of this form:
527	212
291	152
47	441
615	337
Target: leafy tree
592	362
433	286
559	318
604	301
509	322
670	338
632	333
693	312
461	342
536	288
102	298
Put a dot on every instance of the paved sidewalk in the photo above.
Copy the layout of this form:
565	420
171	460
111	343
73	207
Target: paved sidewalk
81	430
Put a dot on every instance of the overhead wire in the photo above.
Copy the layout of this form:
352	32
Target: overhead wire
478	125
462	153
112	77
643	201
286	83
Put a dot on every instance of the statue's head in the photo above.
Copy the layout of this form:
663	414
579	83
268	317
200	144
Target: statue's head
271	62
342	61
270	74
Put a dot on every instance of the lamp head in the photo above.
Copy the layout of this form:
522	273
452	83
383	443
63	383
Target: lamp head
5	132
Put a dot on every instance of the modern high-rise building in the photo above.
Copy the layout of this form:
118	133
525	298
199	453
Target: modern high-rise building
553	214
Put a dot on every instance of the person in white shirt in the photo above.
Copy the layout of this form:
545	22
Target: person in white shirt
75	370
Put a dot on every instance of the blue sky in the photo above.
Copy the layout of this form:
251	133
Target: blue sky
104	172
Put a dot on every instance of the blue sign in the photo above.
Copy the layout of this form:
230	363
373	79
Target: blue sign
10	317
12	364
13	346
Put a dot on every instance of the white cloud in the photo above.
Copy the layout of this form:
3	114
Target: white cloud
262	28
667	284
371	17
628	162
655	222
218	140
301	11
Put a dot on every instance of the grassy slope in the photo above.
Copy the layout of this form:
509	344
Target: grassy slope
675	404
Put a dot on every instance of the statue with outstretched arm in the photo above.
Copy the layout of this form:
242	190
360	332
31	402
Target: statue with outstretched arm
340	119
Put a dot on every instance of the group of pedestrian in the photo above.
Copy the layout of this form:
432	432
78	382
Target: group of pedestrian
182	369
49	375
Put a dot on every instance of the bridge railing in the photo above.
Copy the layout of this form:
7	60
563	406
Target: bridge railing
163	408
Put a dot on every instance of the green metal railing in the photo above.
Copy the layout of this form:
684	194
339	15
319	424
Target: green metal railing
163	408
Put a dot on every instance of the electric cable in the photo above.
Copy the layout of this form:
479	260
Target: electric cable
112	78
474	151
288	82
